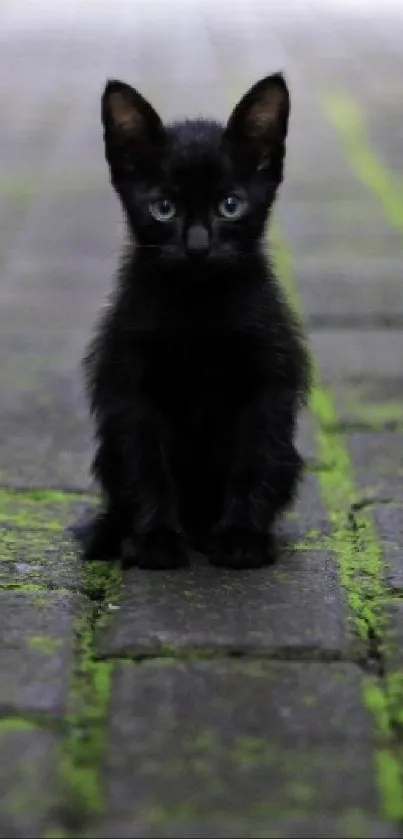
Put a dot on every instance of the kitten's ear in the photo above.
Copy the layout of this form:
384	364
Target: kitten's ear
259	121
127	116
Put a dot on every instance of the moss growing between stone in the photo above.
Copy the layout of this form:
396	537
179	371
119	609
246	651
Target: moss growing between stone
390	783
44	509
359	559
15	724
89	699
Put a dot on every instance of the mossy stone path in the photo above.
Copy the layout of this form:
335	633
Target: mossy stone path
203	703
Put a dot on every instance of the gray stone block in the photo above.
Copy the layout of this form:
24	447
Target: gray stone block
392	654
378	464
37	631
389	523
238	746
46	432
296	605
350	356
362	291
318	826
28	773
38	558
369	403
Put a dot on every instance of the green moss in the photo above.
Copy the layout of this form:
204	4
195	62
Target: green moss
52	496
301	793
9	724
344	114
390	783
394	694
249	752
360	406
54	833
23	588
44	643
89	699
376	701
359	560
45	509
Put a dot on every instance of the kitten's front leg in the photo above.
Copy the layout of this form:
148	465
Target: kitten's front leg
264	472
141	495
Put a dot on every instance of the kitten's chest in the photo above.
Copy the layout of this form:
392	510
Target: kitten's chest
193	364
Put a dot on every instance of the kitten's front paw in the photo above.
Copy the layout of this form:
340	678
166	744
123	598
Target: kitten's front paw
238	548
160	550
100	538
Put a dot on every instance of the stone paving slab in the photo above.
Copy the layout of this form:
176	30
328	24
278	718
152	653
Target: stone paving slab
372	404
362	292
378	463
348	355
236	743
320	826
33	455
306	524
364	371
38	558
392	652
295	606
37	631
28	771
389	522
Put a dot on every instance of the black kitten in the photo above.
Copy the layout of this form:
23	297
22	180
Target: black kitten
197	371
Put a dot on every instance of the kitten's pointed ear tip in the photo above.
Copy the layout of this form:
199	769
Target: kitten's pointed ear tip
116	101
277	80
113	86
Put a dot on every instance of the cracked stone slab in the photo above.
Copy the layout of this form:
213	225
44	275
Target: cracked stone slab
236	745
28	793
37	632
295	605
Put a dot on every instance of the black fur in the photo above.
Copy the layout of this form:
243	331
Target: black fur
198	368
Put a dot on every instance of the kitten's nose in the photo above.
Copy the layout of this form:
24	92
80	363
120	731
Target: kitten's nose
197	240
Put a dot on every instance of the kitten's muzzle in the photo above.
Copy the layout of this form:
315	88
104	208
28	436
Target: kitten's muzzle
197	241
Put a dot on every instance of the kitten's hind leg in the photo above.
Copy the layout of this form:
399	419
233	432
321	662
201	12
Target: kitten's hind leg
265	471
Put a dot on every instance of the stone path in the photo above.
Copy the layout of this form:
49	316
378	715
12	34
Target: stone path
203	703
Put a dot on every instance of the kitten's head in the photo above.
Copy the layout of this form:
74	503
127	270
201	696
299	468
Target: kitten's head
197	190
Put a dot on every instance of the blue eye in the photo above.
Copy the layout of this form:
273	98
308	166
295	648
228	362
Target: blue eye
232	206
162	210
